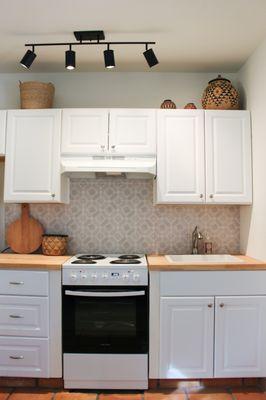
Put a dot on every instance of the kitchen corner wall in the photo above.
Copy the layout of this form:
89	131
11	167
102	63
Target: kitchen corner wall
252	81
116	215
113	215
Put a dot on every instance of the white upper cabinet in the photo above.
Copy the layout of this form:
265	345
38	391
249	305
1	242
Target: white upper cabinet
180	156
186	143
2	132
32	170
186	338
240	346
84	131
228	157
132	131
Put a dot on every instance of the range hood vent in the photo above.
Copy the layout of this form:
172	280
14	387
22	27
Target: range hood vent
109	166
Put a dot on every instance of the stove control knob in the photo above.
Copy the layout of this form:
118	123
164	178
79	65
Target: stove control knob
136	277
84	276
73	277
105	275
93	276
125	277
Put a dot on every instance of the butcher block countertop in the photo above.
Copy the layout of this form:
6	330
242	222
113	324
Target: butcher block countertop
31	261
160	263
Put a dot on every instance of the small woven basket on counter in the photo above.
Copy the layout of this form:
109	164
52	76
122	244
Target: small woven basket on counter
35	94
54	245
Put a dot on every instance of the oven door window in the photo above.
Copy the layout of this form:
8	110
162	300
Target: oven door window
110	323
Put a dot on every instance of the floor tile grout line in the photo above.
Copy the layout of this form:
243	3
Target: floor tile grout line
11	392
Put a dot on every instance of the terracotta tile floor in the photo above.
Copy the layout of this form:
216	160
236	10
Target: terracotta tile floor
159	394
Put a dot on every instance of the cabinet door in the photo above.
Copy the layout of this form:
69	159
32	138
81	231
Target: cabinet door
84	131
32	170
180	156
228	157
2	132
240	331
132	131
186	332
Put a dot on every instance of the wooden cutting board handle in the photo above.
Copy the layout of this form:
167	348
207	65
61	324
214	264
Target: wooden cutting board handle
25	234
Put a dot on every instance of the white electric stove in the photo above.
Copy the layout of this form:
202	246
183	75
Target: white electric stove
106	269
105	321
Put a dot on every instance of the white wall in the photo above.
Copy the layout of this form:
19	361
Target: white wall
112	89
252	81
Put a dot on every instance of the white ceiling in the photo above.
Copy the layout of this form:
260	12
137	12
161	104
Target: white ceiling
191	35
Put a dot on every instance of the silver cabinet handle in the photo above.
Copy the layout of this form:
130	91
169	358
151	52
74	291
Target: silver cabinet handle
210	305
16	357
221	305
16	283
15	316
211	196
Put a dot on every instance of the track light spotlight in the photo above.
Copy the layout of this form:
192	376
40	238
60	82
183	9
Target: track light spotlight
109	58
150	57
70	59
28	58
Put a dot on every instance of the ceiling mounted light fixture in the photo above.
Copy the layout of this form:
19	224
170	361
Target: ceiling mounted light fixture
109	58
88	38
70	59
28	58
150	57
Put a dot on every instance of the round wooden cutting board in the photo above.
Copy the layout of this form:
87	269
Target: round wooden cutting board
25	234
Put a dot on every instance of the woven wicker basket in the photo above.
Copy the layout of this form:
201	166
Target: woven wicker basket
54	245
36	94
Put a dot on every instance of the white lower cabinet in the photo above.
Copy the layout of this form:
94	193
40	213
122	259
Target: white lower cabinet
207	324
30	323
240	332
186	349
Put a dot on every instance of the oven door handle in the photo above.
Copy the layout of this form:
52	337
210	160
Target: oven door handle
104	294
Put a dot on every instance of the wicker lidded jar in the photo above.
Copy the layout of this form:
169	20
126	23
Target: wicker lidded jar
35	94
220	94
54	245
168	104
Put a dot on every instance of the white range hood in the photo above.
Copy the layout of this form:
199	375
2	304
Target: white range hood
93	166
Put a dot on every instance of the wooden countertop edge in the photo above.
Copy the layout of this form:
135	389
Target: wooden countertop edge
32	261
160	263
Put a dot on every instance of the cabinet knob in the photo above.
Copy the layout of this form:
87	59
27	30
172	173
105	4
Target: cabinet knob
113	147
201	196
102	147
221	305
210	305
211	196
53	195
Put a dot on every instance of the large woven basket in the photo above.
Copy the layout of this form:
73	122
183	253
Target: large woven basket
36	94
54	245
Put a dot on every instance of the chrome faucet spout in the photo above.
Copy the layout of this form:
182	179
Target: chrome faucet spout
196	236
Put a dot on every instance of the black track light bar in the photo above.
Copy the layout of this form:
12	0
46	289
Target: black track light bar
89	38
87	44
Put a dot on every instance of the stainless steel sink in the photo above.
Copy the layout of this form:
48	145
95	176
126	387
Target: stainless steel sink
203	258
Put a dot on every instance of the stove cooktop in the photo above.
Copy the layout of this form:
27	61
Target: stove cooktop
106	260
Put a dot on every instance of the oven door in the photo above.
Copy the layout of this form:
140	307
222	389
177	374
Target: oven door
105	319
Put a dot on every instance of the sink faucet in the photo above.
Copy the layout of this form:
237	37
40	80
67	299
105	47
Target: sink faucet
196	236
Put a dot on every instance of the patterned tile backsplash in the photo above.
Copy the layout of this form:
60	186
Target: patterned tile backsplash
110	215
